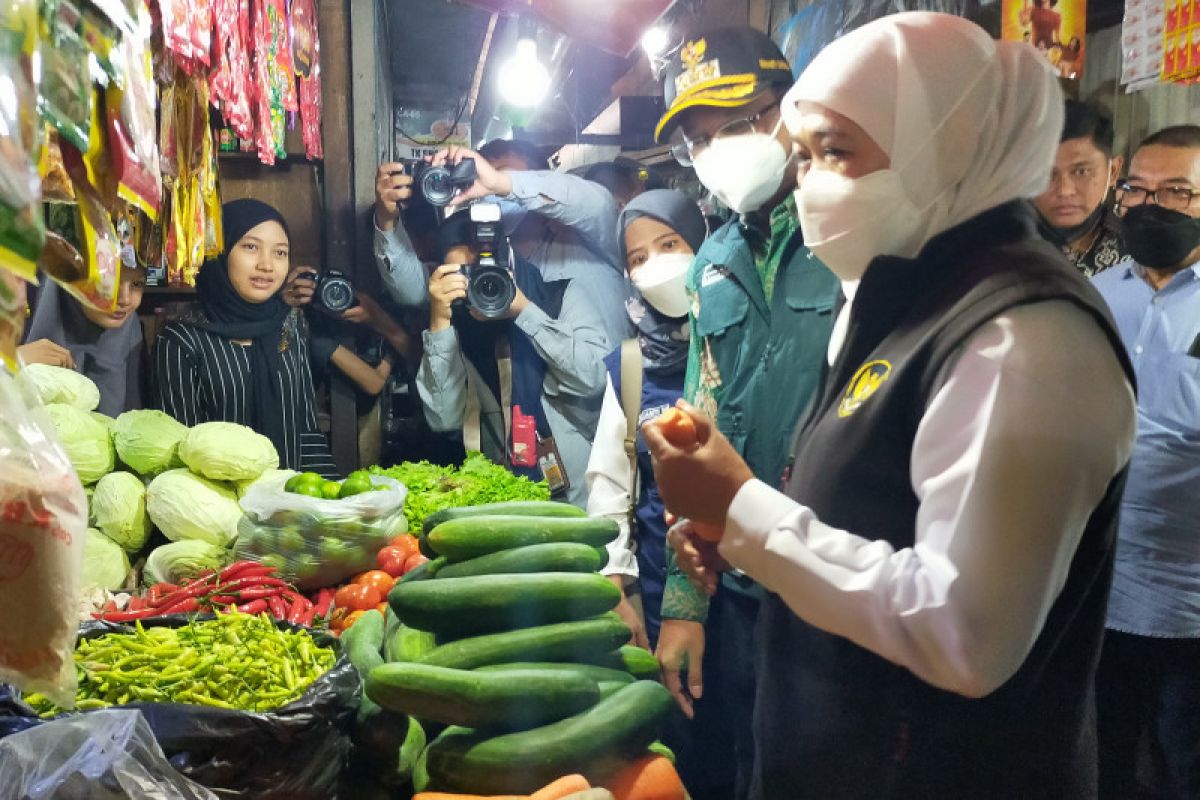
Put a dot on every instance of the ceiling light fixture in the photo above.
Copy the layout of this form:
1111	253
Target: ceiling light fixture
655	40
524	80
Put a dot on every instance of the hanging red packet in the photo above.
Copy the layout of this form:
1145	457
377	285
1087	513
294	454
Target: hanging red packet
306	53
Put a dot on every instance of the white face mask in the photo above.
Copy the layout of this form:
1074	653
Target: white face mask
849	221
743	171
661	280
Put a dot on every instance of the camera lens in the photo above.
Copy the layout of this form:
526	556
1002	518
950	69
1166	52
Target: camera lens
437	186
336	294
491	291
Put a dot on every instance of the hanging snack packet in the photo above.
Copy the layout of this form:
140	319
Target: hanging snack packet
93	275
65	95
56	184
21	229
200	25
306	53
131	131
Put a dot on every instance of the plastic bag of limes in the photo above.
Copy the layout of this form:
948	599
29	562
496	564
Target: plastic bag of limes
318	532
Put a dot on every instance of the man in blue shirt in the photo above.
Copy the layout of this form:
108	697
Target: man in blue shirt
1149	676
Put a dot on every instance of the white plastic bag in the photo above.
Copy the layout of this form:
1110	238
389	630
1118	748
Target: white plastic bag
43	524
316	542
102	755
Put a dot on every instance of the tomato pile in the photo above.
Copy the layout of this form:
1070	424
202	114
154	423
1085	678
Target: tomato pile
370	589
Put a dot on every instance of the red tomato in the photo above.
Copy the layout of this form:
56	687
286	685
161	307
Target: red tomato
391	560
357	598
380	579
414	561
406	542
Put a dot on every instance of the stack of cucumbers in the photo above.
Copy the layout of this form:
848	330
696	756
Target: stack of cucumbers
508	637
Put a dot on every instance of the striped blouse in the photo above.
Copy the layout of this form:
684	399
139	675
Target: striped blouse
203	377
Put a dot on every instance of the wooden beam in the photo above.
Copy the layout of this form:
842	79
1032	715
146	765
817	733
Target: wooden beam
339	213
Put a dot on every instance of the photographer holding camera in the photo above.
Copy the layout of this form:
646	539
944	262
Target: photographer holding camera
537	360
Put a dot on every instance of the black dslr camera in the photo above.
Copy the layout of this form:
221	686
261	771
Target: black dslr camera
439	185
334	293
490	285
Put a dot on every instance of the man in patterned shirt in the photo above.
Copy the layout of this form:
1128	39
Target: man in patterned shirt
1076	212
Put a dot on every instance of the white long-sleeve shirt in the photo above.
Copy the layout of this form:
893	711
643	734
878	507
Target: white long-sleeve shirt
610	481
1012	455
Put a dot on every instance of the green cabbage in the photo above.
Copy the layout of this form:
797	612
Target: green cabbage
104	420
105	564
86	441
179	562
119	510
60	385
226	451
186	506
148	441
244	486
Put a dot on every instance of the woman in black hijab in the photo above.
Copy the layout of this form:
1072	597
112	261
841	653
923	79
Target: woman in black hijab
242	355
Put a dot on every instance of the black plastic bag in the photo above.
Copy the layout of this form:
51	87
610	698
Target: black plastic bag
295	752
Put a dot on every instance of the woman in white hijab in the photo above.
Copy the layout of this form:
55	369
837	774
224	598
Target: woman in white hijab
939	564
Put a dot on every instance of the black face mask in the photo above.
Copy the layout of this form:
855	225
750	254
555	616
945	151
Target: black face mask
1158	237
1064	236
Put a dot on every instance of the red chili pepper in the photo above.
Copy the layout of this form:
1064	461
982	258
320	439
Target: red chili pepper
298	610
236	569
126	616
182	607
222	600
136	604
259	593
306	619
292	595
238	585
324	601
279	607
254	607
110	606
159	592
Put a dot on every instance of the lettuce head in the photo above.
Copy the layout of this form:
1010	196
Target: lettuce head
86	441
119	510
226	451
187	506
148	441
105	564
61	385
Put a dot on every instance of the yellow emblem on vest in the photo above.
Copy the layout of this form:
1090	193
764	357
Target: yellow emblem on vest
866	382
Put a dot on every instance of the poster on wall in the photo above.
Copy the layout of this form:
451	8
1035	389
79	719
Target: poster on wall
422	131
1055	27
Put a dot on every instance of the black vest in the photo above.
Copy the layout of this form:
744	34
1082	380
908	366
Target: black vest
834	720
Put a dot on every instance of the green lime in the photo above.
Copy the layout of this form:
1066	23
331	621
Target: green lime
330	490
293	482
310	490
357	483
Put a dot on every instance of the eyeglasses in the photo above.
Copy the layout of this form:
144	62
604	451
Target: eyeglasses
1175	198
686	150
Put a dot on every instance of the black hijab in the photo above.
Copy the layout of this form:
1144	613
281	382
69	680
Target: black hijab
224	312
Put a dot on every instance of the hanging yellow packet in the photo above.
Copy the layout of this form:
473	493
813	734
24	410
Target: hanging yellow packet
21	230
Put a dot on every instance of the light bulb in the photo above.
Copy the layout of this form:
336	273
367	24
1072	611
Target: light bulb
524	81
655	40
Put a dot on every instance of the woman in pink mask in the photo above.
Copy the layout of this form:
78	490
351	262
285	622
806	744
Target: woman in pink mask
939	563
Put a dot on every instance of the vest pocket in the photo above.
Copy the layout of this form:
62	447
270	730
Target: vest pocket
723	305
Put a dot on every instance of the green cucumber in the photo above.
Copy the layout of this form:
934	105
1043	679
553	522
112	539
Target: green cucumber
410	750
595	743
609	680
564	641
424	571
470	537
637	661
408	644
511	699
456	607
552	557
520	508
363	642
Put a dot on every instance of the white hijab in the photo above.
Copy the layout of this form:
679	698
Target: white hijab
968	122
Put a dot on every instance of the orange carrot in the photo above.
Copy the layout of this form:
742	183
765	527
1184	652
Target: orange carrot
455	796
679	429
566	785
648	778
